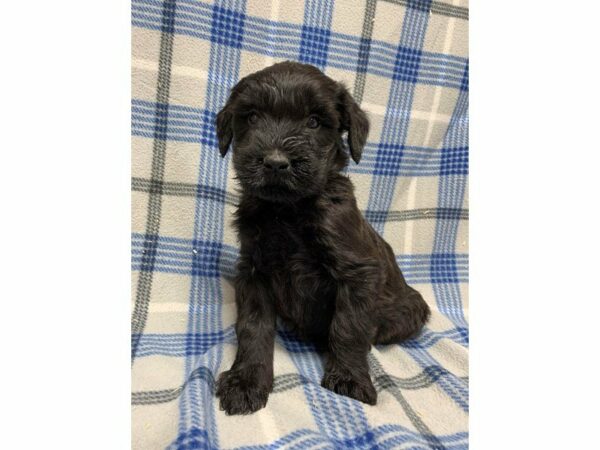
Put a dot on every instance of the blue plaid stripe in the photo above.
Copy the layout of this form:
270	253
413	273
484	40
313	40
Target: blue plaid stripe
451	193
284	40
196	125
464	84
315	33
455	161
214	259
406	67
390	150
205	313
314	44
453	386
197	344
227	27
231	30
382	437
167	20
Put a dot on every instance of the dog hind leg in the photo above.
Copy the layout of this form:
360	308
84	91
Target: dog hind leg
401	318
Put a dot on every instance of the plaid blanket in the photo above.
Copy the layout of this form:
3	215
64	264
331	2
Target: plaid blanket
406	63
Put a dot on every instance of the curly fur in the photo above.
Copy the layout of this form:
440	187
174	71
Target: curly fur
307	254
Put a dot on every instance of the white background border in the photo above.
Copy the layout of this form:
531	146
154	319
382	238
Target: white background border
65	219
64	182
534	225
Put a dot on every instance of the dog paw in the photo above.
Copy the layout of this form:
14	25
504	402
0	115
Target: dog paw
360	389
241	392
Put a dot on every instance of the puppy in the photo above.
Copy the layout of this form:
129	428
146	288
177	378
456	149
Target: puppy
307	254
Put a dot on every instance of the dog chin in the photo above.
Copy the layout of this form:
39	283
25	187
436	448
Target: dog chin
278	192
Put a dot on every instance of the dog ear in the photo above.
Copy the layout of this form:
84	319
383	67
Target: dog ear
225	127
354	121
224	120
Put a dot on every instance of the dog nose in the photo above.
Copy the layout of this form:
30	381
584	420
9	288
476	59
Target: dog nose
276	161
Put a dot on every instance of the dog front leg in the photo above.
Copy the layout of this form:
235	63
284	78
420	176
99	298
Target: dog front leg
246	386
350	334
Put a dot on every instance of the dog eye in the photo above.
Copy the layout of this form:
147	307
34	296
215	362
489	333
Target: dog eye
252	118
313	122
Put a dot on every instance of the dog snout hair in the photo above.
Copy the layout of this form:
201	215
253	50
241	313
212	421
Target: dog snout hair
276	161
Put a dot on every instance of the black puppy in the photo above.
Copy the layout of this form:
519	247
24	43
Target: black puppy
307	254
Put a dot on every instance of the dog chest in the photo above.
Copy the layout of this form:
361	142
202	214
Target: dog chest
288	254
284	238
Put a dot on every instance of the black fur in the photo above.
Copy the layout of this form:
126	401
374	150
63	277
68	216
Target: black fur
307	254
